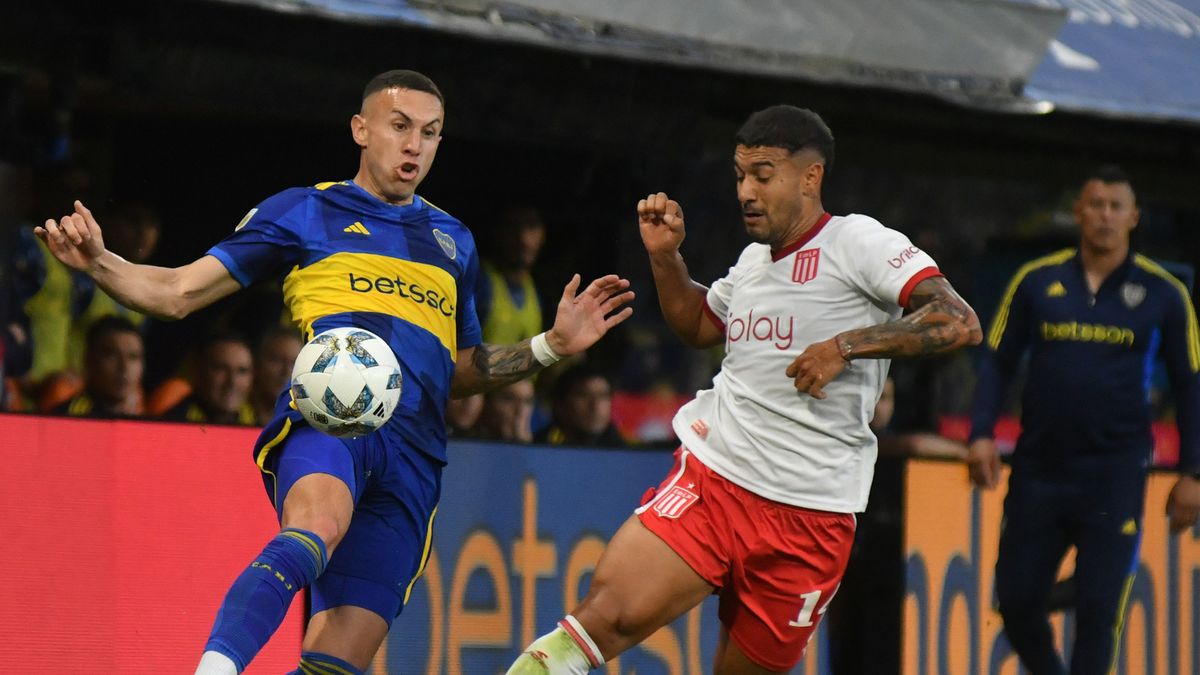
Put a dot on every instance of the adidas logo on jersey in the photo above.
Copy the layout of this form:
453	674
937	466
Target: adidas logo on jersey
358	228
1056	290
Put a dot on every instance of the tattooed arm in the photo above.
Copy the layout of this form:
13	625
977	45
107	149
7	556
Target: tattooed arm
939	321
580	321
490	366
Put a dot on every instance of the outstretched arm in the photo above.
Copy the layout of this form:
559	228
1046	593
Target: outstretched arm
165	293
939	321
580	322
660	220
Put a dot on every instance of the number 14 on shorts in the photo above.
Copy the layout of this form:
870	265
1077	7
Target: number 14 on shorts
811	604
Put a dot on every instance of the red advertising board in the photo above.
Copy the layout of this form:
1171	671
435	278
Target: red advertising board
122	539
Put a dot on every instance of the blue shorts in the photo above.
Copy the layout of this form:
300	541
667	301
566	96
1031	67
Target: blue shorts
395	488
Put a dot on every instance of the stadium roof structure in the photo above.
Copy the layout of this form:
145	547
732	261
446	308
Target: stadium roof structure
975	52
1122	58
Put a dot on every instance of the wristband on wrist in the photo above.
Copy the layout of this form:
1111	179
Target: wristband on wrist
542	351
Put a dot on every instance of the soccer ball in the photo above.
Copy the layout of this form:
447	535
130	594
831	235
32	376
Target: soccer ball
346	382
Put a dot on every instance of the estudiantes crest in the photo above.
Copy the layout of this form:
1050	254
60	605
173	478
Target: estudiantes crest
675	502
805	268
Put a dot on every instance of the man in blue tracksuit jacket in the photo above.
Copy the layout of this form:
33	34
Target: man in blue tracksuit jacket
1093	320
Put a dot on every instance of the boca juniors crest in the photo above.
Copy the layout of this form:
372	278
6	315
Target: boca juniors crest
446	242
1132	294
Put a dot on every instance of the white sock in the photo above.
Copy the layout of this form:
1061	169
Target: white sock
566	650
586	645
216	663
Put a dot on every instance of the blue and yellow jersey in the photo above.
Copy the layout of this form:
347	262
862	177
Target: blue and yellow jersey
406	273
53	300
1090	361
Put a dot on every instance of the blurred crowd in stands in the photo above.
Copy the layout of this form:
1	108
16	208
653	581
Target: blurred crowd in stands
69	349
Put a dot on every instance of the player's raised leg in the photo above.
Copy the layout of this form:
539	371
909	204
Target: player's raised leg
378	561
640	585
315	515
259	598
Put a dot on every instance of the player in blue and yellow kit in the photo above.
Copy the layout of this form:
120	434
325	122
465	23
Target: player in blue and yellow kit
1093	321
355	514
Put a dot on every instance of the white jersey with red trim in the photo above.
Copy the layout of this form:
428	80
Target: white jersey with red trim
753	427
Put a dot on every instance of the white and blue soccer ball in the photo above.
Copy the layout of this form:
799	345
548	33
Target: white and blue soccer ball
346	382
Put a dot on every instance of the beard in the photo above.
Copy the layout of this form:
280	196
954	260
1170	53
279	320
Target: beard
759	233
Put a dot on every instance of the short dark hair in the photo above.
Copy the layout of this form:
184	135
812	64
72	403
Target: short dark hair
519	214
573	376
219	337
790	128
276	331
105	326
402	79
1107	173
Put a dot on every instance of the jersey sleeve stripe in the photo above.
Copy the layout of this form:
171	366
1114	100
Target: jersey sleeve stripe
1000	322
1193	333
708	311
922	275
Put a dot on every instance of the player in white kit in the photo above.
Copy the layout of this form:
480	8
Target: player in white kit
777	456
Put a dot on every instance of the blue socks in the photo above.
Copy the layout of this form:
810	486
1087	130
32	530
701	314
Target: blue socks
315	663
260	596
